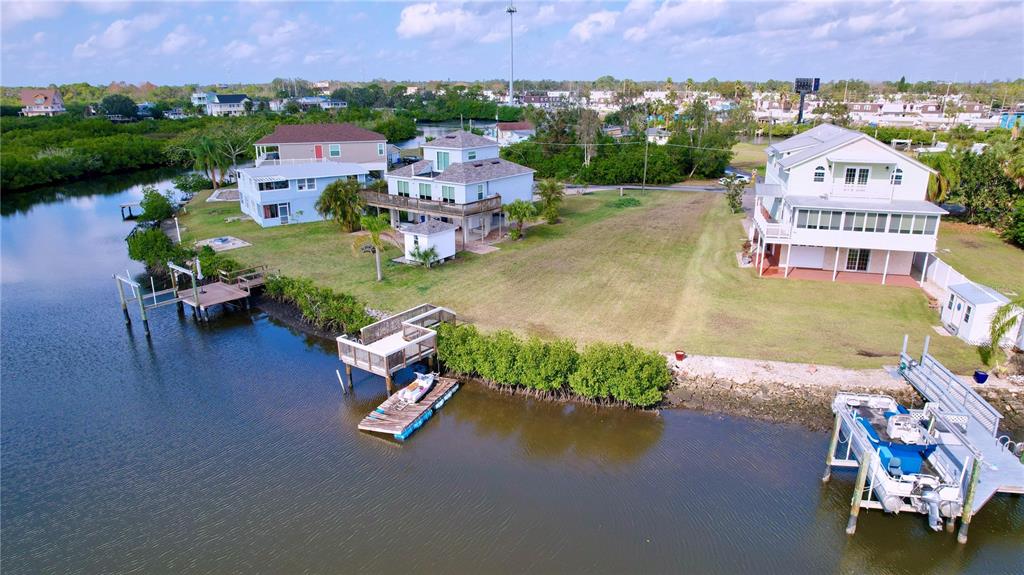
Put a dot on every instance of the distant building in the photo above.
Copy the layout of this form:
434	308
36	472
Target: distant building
199	99
226	104
656	135
508	133
41	102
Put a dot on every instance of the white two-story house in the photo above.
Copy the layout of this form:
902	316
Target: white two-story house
273	195
460	180
839	204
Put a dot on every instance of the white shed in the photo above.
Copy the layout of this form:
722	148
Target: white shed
428	234
968	313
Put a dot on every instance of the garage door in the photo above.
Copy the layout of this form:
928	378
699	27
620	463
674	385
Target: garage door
807	257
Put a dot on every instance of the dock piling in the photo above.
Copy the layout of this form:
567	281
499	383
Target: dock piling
387	383
348	376
965	517
342	382
142	309
124	302
832	449
858	493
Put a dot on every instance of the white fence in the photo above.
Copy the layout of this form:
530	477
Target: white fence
939	272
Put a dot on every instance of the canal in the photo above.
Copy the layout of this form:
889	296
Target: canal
230	447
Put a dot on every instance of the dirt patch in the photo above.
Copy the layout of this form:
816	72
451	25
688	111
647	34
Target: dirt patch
290	315
869	353
967	243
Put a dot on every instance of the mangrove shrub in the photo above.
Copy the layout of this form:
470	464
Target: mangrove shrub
322	307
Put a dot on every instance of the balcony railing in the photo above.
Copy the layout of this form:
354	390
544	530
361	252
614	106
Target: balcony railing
403	203
770	229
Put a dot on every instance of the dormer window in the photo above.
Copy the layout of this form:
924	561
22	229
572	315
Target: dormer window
897	177
819	174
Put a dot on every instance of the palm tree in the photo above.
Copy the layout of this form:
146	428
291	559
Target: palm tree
340	201
946	178
424	256
207	156
551	192
373	241
1005	318
520	212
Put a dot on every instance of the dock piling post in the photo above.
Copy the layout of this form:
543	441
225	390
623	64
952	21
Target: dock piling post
965	516
906	339
342	382
348	376
124	302
387	382
858	493
832	450
950	524
924	352
142	308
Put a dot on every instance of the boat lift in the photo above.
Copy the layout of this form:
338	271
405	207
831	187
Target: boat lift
956	460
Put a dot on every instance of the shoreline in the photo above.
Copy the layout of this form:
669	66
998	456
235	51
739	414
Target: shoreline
774	391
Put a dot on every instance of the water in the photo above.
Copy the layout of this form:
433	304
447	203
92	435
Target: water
438	129
231	448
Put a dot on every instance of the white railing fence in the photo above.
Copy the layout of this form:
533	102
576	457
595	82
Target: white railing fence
939	272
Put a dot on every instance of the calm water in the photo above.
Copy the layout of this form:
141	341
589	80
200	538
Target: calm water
438	129
231	448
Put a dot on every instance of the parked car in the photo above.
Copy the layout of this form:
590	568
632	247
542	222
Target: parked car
741	177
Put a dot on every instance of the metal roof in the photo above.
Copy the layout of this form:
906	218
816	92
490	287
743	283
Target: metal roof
307	170
895	206
978	294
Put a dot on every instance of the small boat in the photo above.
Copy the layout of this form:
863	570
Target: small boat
415	391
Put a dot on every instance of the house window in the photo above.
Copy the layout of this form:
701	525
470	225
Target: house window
442	161
306	184
403	188
931	224
967	314
897	177
819	174
380	149
270	211
858	176
334	150
479	191
918	227
857	260
424	190
278	185
471	155
950	304
448	194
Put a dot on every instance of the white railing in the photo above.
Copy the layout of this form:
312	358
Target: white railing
263	160
768	229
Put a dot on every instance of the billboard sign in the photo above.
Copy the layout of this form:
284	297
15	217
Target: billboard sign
806	85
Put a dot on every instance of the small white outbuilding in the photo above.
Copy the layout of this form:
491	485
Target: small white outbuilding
427	234
968	311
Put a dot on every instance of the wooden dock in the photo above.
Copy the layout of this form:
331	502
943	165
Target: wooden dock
400	419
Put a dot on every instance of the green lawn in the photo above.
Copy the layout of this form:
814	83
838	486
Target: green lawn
749	156
981	255
662	275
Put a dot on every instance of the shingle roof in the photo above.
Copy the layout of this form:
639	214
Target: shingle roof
460	139
481	171
230	98
413	169
28	96
514	126
428	227
315	133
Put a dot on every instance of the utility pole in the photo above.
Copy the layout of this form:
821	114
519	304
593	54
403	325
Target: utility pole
647	146
511	10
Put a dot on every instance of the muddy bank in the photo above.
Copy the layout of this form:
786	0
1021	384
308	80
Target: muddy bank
803	393
290	315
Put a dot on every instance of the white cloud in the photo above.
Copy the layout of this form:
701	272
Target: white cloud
675	17
105	7
596	24
178	40
14	13
239	50
1012	15
420	20
117	36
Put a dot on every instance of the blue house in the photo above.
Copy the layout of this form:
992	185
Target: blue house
274	195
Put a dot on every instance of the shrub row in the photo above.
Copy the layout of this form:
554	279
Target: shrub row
324	308
601	372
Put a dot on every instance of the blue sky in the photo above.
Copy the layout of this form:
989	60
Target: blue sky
255	41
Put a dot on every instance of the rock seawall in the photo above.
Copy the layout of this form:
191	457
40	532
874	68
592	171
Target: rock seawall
802	394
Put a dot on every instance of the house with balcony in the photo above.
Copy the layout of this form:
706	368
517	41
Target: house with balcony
41	102
274	195
839	204
315	143
460	180
225	104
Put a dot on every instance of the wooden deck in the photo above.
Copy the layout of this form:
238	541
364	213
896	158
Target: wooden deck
213	294
399	418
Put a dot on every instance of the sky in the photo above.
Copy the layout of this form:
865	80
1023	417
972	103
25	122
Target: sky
47	42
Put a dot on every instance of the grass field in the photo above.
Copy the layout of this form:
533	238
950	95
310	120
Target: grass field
749	156
662	275
980	254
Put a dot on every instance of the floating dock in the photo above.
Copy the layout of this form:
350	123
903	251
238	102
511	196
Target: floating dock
399	418
946	460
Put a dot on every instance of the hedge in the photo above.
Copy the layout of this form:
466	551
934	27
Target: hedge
602	372
322	307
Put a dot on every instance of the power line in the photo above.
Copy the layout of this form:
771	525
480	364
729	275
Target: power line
630	143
